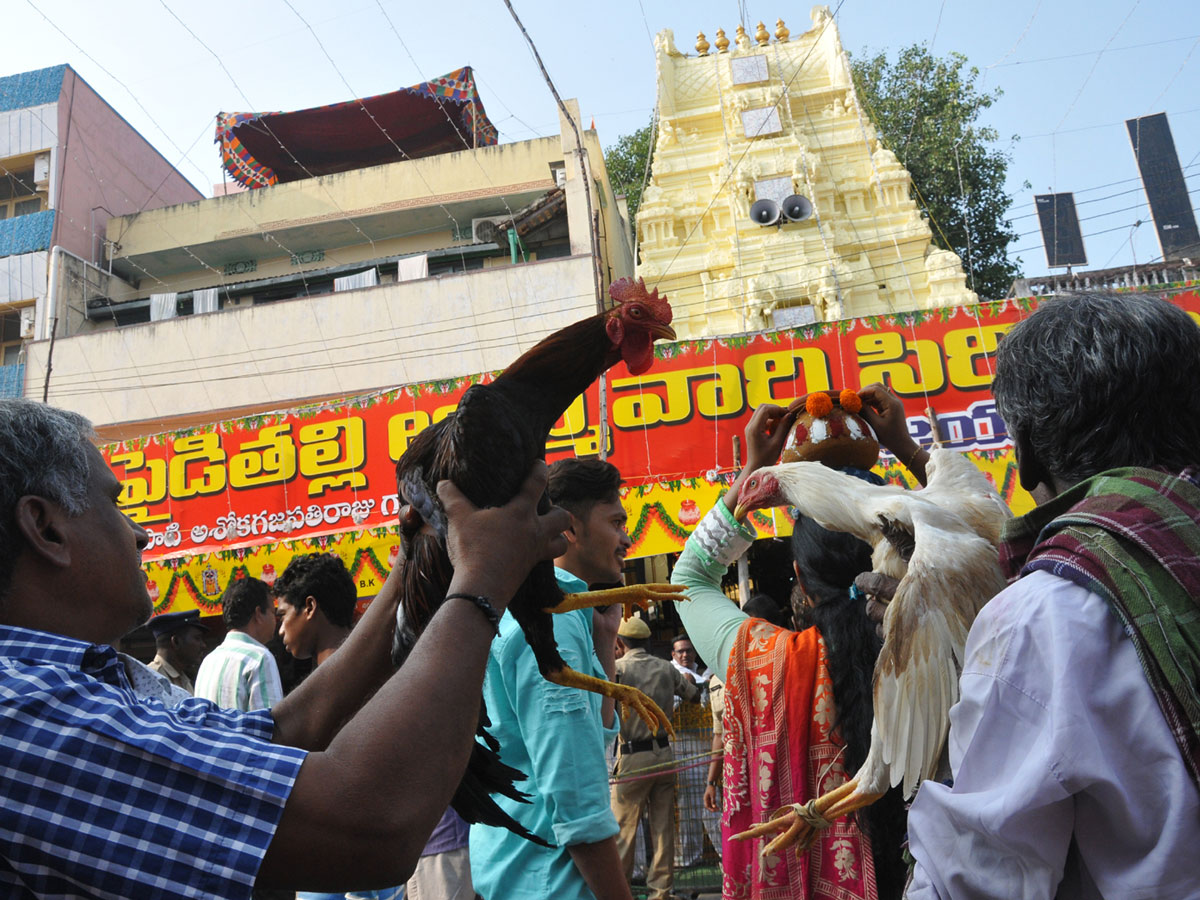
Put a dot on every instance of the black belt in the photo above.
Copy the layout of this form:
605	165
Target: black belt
641	746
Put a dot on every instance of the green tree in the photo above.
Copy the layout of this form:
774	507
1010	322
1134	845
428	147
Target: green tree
627	162
926	111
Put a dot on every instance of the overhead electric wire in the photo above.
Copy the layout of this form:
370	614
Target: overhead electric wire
1106	49
71	40
1020	38
666	276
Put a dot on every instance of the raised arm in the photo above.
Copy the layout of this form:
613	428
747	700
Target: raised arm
885	414
371	799
711	620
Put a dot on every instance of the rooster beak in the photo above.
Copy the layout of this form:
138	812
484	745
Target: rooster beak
741	512
659	330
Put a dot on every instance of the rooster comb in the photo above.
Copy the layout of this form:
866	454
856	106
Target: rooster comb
625	289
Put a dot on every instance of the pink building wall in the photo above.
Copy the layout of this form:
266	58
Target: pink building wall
104	162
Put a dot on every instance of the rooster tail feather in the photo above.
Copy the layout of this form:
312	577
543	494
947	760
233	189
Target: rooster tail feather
486	775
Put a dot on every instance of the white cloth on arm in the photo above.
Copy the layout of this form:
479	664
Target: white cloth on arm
710	618
1068	782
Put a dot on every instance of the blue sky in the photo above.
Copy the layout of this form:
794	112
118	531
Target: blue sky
1071	74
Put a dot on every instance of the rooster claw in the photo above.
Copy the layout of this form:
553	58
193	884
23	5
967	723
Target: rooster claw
799	824
792	826
634	701
629	596
630	698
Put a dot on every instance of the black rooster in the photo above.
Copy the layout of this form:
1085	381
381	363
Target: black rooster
486	447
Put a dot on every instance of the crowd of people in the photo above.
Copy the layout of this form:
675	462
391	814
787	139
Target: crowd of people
1073	753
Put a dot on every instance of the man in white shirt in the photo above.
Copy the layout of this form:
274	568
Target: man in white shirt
1068	779
241	673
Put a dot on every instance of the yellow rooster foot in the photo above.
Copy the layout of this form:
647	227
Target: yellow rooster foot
630	698
629	596
799	824
796	826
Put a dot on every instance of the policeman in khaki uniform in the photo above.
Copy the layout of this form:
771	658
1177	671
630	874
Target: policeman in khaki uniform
639	749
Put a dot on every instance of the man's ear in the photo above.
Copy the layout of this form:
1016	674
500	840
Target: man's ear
40	523
310	606
1029	469
571	533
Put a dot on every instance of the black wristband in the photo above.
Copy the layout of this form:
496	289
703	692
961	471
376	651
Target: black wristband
485	606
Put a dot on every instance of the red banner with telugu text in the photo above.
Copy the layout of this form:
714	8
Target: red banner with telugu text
330	469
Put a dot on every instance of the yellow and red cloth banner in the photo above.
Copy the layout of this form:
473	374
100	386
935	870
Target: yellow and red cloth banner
242	496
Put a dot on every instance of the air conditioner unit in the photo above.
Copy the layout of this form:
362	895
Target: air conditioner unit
41	171
27	323
487	230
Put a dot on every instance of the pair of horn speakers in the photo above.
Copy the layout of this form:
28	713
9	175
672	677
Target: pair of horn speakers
793	209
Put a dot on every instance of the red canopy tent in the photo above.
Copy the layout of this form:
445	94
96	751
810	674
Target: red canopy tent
439	116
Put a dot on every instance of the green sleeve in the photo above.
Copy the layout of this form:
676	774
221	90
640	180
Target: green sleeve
710	618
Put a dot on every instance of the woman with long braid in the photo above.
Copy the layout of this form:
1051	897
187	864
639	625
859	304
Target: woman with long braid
798	703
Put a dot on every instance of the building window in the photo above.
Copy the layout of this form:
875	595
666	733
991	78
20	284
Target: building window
10	338
18	196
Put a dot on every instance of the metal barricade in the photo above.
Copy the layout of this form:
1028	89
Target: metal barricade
697	831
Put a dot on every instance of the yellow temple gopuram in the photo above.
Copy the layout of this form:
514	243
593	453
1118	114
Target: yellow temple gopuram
768	117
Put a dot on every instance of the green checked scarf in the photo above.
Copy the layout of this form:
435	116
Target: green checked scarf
1131	536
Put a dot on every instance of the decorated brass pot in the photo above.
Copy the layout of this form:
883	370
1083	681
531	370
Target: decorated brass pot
830	430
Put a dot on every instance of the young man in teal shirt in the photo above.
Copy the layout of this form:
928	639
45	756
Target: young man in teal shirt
558	735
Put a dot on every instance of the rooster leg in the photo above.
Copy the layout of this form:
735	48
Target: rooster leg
814	824
629	596
630	697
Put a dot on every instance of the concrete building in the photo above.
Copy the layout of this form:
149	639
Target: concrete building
68	163
336	284
756	119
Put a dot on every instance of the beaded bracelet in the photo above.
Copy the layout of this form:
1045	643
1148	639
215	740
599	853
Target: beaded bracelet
485	606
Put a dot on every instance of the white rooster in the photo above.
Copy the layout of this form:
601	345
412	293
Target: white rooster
940	542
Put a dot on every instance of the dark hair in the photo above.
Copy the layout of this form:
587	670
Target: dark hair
682	636
44	453
633	643
828	562
323	577
579	484
1094	382
763	606
242	599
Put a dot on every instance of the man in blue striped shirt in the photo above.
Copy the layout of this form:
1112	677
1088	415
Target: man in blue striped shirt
240	672
107	794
